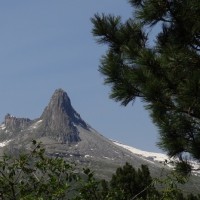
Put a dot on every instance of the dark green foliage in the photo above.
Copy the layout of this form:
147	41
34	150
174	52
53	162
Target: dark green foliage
166	75
131	181
169	186
35	176
91	188
126	183
192	197
183	168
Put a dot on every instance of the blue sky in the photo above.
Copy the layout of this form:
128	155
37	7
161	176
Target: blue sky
47	44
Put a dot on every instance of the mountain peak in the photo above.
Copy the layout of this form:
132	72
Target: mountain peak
60	93
60	120
60	102
59	90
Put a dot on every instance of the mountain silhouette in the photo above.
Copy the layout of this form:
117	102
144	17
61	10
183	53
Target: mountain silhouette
65	134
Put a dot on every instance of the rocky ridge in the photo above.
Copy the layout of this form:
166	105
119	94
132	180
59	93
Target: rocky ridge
58	121
65	134
13	123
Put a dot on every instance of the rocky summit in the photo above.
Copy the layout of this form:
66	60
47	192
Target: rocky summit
65	134
59	120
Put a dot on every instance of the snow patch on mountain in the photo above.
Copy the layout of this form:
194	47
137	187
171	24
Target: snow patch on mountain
88	156
36	124
2	127
149	155
159	157
2	144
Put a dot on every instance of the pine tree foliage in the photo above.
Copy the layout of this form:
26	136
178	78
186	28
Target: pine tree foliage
165	75
132	182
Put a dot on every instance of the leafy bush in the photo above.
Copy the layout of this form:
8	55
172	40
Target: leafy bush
34	176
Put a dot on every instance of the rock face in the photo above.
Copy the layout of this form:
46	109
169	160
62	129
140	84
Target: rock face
13	123
59	122
64	134
59	119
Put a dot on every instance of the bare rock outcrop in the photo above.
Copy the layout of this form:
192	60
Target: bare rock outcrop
13	123
59	119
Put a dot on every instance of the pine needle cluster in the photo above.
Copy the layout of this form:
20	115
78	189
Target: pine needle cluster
165	75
